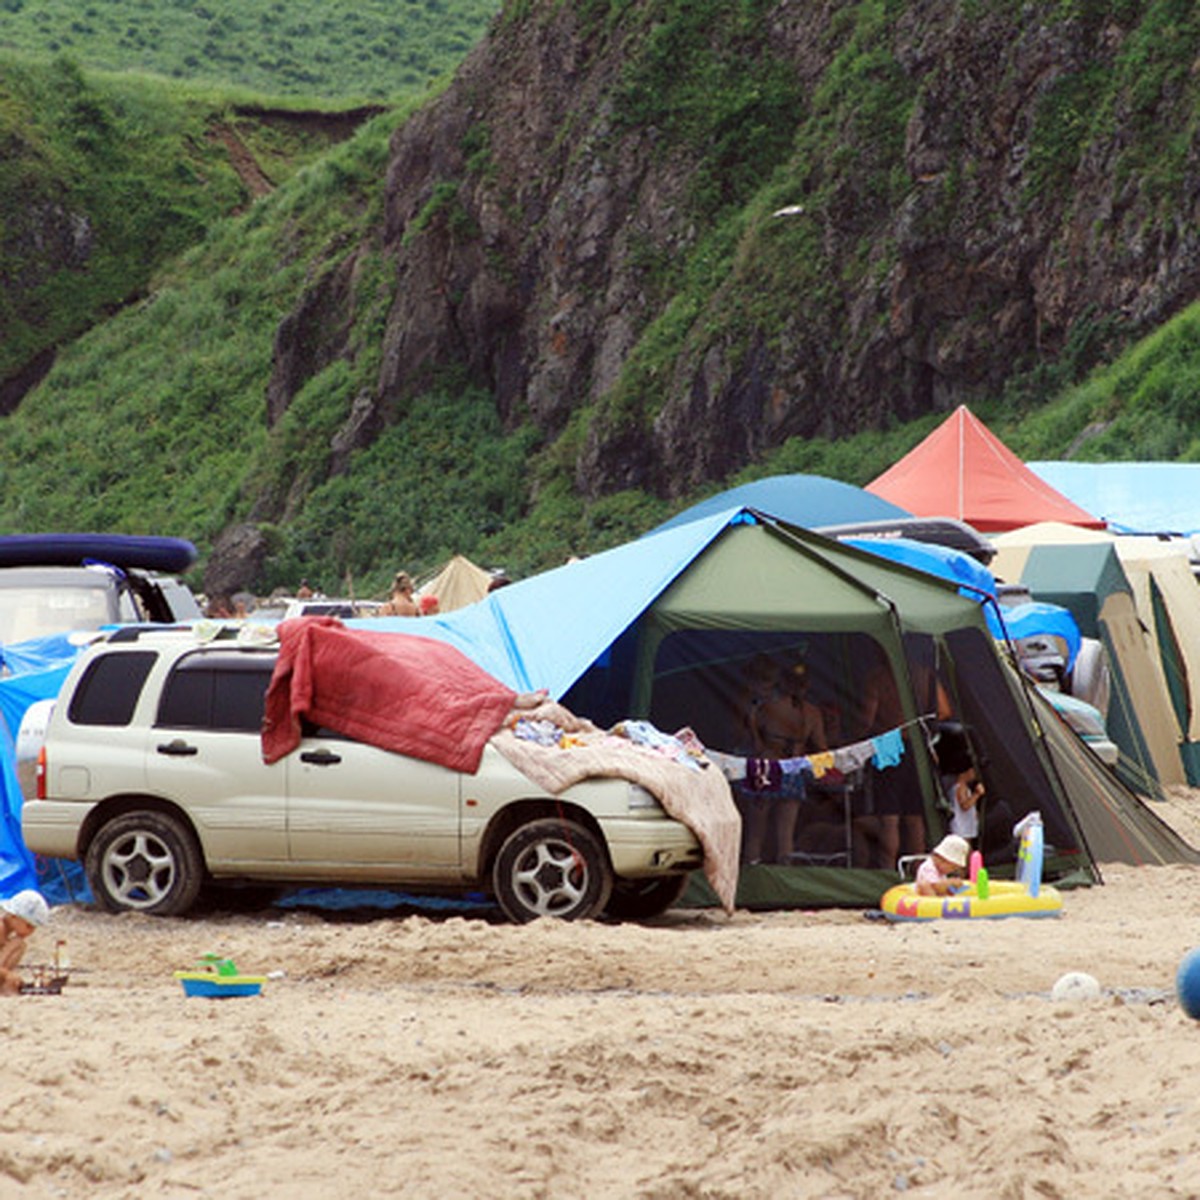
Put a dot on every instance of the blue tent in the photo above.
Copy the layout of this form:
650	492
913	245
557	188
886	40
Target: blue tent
973	578
810	501
1133	497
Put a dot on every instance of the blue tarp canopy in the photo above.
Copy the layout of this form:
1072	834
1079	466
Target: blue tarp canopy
1133	497
544	632
975	581
810	501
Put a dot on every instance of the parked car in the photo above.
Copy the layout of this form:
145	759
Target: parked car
62	583
151	773
325	606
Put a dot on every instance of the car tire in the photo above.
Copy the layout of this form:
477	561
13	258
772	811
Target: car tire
551	868
640	899
145	861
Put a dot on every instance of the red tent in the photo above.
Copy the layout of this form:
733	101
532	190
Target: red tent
963	470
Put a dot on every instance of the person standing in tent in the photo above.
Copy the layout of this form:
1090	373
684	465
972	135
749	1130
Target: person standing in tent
760	789
894	807
20	915
787	725
958	770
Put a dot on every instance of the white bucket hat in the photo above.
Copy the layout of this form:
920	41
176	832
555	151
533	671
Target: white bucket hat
953	849
28	905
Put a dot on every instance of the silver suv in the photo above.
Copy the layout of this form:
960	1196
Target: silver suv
60	582
152	775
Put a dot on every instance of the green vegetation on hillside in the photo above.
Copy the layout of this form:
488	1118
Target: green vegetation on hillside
366	49
103	179
182	374
156	420
764	146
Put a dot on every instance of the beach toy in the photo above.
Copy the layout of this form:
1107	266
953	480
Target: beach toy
216	977
1075	986
1005	898
983	884
1187	984
1031	853
976	866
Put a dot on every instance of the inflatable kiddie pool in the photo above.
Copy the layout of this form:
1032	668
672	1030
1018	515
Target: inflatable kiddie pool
1026	896
1004	899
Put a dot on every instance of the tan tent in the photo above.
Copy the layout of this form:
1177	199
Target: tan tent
1167	600
459	583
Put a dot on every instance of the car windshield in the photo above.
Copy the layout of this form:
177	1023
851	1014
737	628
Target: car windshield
32	611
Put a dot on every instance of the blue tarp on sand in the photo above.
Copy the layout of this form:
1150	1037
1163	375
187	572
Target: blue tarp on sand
42	664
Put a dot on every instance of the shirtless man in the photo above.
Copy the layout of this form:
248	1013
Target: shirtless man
401	603
19	916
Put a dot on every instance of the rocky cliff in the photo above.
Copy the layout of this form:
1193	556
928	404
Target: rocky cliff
679	234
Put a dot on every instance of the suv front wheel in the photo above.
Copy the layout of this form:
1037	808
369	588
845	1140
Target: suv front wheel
551	868
146	861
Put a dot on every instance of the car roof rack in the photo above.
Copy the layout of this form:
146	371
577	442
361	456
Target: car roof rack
134	633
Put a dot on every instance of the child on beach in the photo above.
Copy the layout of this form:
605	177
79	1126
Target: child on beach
19	916
941	873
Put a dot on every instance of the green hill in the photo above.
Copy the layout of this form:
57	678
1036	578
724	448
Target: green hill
368	49
635	252
104	178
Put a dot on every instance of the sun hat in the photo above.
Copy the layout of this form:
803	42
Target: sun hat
953	849
28	905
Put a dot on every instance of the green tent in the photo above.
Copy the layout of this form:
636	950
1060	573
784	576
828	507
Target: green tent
764	590
1089	581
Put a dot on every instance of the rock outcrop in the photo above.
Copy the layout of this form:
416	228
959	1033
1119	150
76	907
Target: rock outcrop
960	198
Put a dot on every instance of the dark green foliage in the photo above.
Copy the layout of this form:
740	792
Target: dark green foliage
155	422
443	483
327	48
101	182
702	77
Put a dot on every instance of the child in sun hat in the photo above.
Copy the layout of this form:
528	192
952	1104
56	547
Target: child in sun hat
941	873
20	915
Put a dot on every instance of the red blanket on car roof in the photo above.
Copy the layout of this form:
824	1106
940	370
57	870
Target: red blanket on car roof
408	694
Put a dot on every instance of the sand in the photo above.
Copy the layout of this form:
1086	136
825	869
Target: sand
788	1054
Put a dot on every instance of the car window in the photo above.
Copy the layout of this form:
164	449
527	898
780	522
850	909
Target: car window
109	689
38	611
225	693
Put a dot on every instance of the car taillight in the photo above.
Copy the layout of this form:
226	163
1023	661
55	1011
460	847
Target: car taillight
41	773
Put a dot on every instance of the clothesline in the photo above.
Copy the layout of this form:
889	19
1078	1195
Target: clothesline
882	751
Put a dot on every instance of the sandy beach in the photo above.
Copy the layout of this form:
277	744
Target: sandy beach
799	1054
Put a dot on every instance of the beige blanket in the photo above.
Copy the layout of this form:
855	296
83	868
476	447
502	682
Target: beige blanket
701	799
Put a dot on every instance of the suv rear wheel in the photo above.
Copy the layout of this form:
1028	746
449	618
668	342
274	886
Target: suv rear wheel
551	868
146	861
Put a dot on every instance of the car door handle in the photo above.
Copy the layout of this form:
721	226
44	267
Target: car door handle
177	747
320	758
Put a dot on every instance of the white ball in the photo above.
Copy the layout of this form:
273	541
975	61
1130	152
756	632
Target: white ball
1076	985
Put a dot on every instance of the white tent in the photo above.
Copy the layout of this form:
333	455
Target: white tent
459	583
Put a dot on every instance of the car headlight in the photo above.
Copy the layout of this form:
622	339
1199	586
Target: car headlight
640	800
